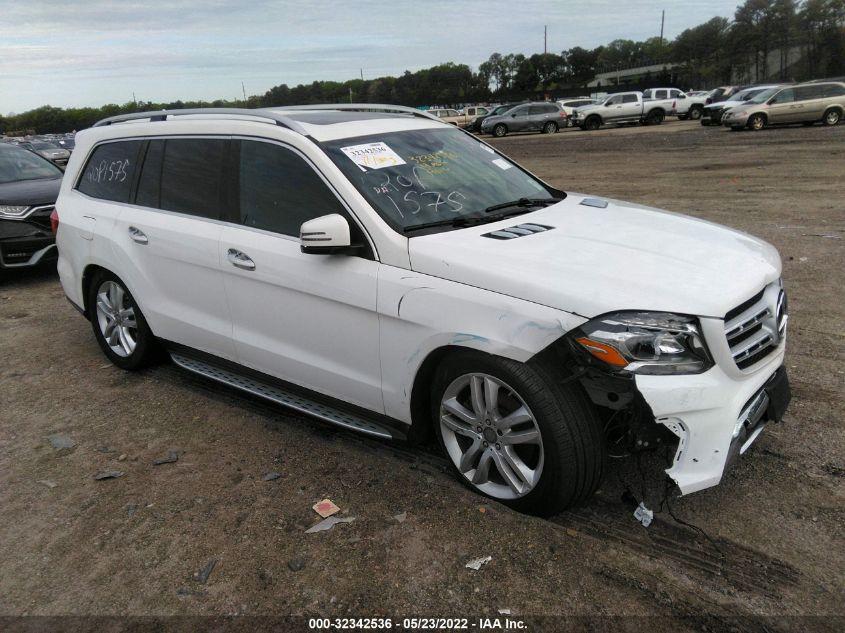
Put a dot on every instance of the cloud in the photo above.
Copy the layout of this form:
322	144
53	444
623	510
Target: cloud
87	53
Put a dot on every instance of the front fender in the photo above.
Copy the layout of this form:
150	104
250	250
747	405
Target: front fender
419	314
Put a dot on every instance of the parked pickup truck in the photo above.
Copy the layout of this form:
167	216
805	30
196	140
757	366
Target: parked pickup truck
462	118
684	105
622	107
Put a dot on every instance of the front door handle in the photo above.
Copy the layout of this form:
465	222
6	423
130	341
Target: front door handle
138	236
239	259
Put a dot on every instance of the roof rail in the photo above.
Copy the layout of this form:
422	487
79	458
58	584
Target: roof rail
363	107
162	115
268	114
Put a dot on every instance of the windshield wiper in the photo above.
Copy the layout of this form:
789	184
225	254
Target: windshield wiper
523	202
465	221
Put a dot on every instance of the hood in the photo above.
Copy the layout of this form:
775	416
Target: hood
30	192
588	108
594	260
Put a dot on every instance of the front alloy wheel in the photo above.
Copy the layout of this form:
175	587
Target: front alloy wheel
500	130
491	436
757	122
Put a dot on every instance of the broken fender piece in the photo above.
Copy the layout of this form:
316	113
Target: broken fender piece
328	524
476	563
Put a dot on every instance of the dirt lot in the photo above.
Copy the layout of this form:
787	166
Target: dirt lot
774	528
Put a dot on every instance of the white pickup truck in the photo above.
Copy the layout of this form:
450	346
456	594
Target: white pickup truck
622	107
684	106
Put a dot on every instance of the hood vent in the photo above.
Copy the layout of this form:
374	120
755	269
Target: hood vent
519	230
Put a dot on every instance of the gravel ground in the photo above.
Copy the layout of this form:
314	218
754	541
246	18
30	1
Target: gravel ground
212	534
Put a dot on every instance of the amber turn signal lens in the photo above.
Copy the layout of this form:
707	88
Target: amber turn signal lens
603	352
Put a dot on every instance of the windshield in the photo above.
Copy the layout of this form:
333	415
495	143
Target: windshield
763	96
43	145
19	164
416	177
502	109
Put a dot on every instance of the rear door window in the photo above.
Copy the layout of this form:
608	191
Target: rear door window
191	176
110	172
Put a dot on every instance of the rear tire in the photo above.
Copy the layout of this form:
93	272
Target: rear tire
119	326
500	130
655	117
550	128
695	112
555	441
832	117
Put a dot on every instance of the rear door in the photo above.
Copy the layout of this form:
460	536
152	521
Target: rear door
168	241
308	319
631	107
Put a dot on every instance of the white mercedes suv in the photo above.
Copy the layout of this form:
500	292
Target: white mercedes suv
389	273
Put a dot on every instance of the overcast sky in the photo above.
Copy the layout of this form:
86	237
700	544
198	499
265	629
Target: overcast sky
80	53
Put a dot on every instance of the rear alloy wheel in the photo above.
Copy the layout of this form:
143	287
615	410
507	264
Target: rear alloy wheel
757	122
550	128
832	117
119	327
499	130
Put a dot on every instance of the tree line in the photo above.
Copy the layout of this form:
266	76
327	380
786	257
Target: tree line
709	54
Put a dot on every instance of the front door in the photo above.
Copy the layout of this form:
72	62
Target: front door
520	119
782	107
308	319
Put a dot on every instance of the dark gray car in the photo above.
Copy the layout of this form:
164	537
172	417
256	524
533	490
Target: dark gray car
541	116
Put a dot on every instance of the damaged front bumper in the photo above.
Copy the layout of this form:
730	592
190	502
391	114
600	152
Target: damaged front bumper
715	417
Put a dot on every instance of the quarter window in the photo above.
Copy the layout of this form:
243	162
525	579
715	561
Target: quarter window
110	171
279	190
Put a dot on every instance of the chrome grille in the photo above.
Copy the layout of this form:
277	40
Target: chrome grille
755	328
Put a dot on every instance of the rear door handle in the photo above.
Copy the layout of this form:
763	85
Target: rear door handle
239	259
138	236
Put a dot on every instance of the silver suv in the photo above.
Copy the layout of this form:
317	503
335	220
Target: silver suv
805	103
543	117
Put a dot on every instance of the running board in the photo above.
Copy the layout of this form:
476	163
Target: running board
281	396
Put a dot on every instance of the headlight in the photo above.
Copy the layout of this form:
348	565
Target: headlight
10	211
646	343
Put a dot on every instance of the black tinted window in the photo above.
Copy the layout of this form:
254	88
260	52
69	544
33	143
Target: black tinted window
629	99
833	90
805	93
549	109
149	184
191	176
279	190
110	171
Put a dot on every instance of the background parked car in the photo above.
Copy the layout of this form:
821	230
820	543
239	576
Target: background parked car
462	118
622	107
722	93
541	116
804	103
471	114
713	111
29	185
496	111
50	151
683	106
569	105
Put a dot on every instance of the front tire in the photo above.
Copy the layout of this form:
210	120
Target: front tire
592	123
757	122
119	325
513	433
499	130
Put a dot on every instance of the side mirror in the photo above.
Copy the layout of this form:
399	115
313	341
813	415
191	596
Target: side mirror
513	116
326	235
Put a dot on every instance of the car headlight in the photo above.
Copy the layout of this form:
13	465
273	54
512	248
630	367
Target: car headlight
646	343
11	211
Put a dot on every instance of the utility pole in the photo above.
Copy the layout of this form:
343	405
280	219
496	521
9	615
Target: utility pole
362	74
243	89
350	94
662	21
545	40
134	100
